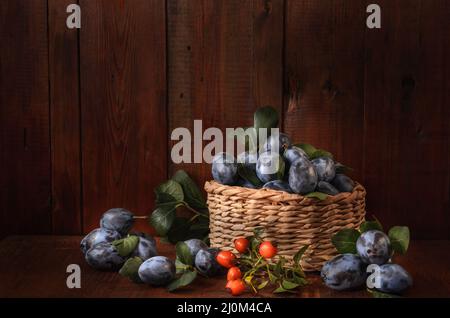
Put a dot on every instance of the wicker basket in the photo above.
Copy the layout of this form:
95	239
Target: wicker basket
289	220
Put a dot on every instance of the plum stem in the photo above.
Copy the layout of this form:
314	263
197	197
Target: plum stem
140	217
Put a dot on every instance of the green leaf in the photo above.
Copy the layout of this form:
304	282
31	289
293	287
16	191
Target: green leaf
184	254
378	294
298	256
249	175
193	195
165	199
182	281
370	225
126	245
181	268
130	269
162	219
307	148
345	241
340	168
320	153
265	117
399	237
282	290
263	284
299	280
317	195
172	188
288	285
179	230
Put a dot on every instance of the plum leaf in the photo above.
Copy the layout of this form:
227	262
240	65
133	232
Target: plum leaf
370	225
183	254
345	241
192	193
130	269
321	153
179	231
126	245
265	117
162	219
307	148
249	175
184	280
172	188
399	237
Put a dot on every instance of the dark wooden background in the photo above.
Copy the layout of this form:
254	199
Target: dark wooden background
86	116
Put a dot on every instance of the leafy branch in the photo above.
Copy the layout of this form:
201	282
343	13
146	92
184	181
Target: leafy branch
180	192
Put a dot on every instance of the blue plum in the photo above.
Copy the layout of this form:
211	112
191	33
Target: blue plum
327	188
302	177
277	143
394	279
293	153
195	245
279	185
157	271
146	247
98	236
270	167
325	168
344	272
118	219
374	247
224	169
104	256
206	264
248	159
343	183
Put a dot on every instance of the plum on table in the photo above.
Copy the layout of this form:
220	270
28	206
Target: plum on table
157	271
344	272
104	256
374	247
98	236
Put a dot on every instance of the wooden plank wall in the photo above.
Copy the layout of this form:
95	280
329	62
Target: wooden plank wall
86	115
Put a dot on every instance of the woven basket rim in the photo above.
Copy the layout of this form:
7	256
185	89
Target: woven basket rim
213	186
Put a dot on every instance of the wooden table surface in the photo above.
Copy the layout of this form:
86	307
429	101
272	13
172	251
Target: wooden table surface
35	266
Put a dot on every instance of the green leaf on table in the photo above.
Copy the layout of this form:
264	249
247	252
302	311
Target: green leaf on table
288	285
126	245
307	148
162	219
317	195
181	267
179	230
321	153
298	256
301	281
130	269
249	175
184	280
193	195
370	225
281	289
184	254
399	237
172	188
345	241
265	117
378	294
